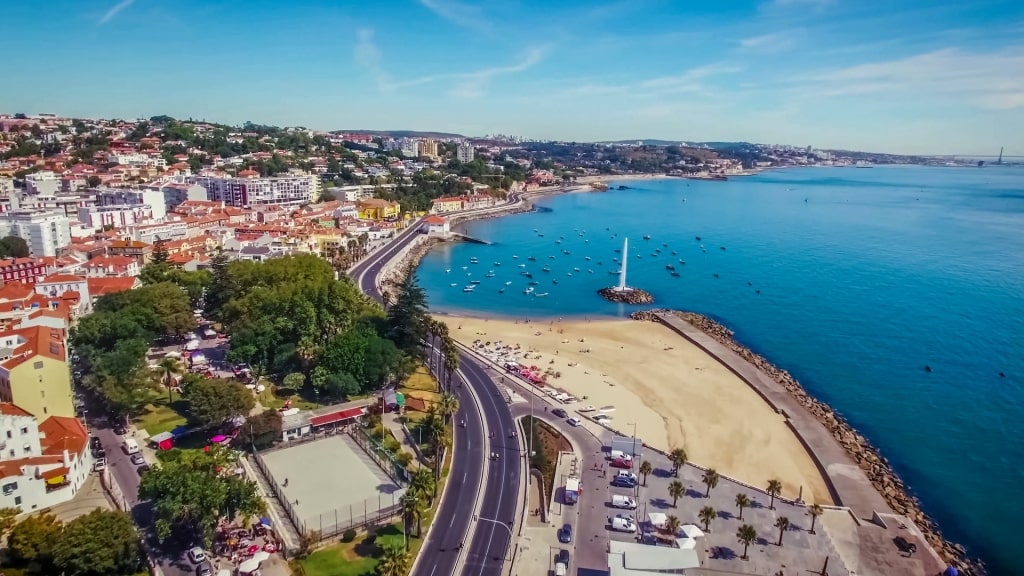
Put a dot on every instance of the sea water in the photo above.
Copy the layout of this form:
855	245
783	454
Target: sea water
866	276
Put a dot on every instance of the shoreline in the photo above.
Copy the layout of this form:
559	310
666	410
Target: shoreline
886	483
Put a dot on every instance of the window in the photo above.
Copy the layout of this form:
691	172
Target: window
38	365
42	392
17	500
24	430
10	434
10	488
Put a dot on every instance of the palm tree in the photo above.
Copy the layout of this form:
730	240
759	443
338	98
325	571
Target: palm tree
169	368
782	524
815	511
774	489
645	469
678	459
411	507
672	524
451	359
422	482
706	515
710	479
448	405
742	502
394	561
746	536
675	490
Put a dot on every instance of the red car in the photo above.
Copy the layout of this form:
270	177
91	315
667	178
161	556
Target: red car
622	463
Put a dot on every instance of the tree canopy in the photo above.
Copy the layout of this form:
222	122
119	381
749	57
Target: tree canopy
100	543
212	401
13	247
192	490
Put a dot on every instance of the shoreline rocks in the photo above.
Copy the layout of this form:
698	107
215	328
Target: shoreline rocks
629	296
866	456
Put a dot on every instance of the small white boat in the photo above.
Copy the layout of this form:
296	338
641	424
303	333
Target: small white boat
588	408
540	295
515	257
496	263
474	282
522	265
568	273
469	288
508	283
447	270
575	269
454	284
465	267
588	257
528	290
489	274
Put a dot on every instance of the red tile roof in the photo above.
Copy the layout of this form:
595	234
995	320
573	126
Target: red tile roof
8	409
63	433
336	416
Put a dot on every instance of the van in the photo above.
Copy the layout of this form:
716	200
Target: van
560	569
620	455
131	446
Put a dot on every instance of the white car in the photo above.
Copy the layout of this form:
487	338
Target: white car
196	555
626	474
620	524
100	464
625	502
575	422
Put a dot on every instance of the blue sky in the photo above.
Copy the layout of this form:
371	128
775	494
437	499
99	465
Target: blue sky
908	77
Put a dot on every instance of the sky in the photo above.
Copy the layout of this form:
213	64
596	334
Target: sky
914	76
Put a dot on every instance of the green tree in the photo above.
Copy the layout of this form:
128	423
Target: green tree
8	519
706	515
407	317
294	381
213	401
394	561
675	490
746	535
645	469
13	247
672	524
159	255
100	543
710	479
678	459
169	368
815	510
742	501
155	273
93	181
782	523
423	483
774	489
190	495
262	430
448	405
451	359
31	541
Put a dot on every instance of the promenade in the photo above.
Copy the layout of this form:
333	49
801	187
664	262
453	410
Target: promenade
848	484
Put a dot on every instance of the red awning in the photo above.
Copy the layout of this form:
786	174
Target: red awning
336	416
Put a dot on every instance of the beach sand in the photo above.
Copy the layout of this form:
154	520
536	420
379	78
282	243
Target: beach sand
674	392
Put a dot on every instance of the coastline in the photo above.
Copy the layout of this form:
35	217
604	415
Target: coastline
883	478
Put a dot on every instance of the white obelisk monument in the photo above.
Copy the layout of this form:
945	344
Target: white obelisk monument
625	259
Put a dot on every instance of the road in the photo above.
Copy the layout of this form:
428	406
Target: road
485	552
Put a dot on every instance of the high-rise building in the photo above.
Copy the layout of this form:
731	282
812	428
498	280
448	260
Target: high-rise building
46	233
411	148
248	190
428	148
465	153
154	199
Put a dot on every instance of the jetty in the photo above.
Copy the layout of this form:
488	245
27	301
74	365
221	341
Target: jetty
623	293
466	238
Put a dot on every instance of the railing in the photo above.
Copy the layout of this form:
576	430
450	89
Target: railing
380	455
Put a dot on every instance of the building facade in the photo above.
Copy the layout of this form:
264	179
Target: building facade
465	153
34	371
46	233
255	191
115	216
154	199
25	270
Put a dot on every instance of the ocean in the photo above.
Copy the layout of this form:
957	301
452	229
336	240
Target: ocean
866	276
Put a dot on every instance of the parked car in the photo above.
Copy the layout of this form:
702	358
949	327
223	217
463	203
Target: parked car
99	452
120	430
622	463
142	469
624	502
575	422
204	569
94	442
626	474
560	413
620	524
623	482
99	464
565	534
196	555
563	556
138	459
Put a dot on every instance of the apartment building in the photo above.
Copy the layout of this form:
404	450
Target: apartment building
42	182
22	307
150	233
25	270
465	153
154	199
6	186
122	216
428	148
46	233
254	191
34	371
107	266
64	203
411	148
139	251
41	464
175	193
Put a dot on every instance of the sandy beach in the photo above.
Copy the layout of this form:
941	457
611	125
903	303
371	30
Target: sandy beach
674	392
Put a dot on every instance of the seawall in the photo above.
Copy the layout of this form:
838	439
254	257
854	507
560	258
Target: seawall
857	475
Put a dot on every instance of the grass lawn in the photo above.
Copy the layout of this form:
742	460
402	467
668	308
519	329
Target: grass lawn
356	558
421	380
275	396
161	416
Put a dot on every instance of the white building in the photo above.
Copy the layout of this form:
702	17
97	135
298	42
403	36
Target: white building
436	226
176	193
292	190
150	233
41	465
465	153
116	216
121	197
46	233
42	182
410	148
6	186
136	159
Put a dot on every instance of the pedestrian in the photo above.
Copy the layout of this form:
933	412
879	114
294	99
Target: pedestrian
285	482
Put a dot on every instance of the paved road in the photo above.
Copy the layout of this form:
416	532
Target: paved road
485	553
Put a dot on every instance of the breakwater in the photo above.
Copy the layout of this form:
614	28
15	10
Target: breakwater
877	469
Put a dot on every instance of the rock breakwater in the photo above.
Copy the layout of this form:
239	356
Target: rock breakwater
630	296
866	456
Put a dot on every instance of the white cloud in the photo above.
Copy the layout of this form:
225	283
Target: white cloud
457	13
368	57
985	80
774	42
115	10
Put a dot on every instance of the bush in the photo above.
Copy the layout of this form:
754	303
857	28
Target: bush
348	536
404	458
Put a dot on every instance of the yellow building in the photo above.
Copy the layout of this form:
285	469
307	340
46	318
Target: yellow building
428	148
377	209
34	372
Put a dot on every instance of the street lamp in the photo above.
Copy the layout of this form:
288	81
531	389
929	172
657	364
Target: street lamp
506	525
636	488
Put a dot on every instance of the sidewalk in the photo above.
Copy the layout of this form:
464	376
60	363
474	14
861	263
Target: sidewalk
394	425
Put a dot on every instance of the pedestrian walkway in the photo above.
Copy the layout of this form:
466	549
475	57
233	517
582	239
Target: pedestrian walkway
282	523
89	497
392	422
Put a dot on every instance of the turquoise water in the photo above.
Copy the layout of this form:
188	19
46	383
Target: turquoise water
878	273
